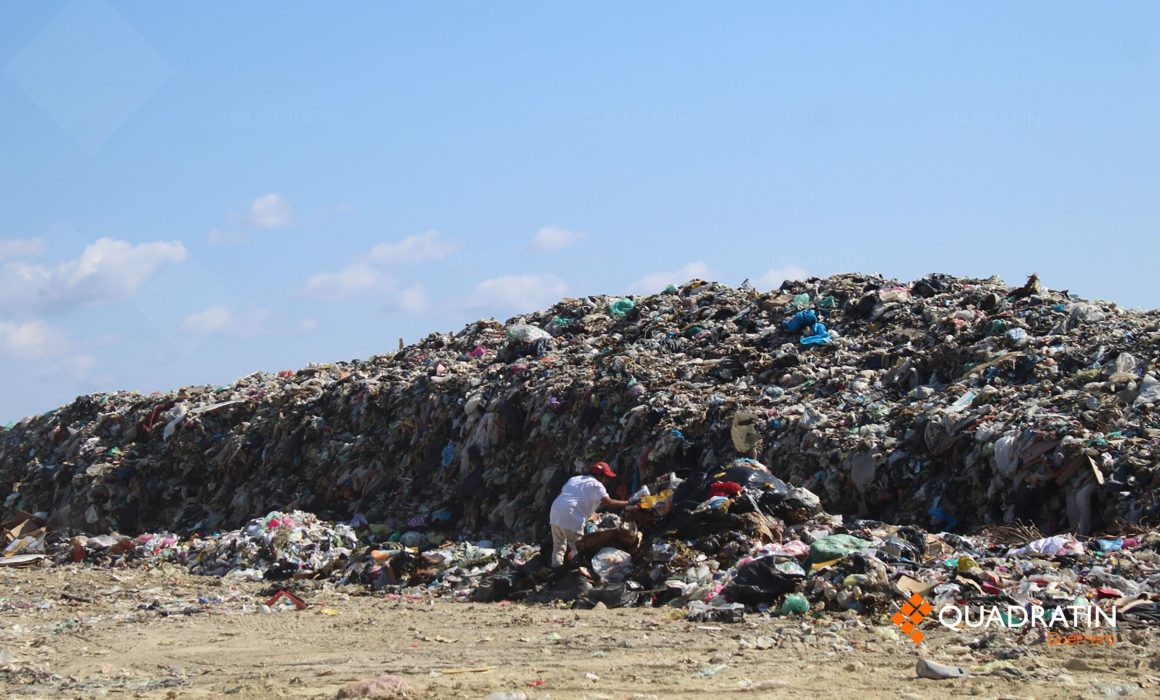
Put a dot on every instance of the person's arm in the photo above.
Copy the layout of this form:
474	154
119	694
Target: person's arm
610	502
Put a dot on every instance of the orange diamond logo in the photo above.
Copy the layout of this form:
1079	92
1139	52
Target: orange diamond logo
910	615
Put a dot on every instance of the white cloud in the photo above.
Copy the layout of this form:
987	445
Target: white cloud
221	320
31	340
367	275
414	249
107	270
49	348
657	281
270	211
308	325
220	237
20	247
518	293
72	368
357	279
207	322
554	238
774	278
412	300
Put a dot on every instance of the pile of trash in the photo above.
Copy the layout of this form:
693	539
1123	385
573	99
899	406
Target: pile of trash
273	547
740	539
841	444
945	403
735	540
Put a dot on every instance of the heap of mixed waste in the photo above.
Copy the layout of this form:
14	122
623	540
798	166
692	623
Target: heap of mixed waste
943	405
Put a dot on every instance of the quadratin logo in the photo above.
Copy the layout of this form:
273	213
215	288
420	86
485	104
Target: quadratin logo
915	610
911	615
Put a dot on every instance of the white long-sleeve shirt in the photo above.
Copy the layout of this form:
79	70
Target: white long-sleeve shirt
577	501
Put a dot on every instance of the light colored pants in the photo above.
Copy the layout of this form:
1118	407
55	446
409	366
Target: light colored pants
562	539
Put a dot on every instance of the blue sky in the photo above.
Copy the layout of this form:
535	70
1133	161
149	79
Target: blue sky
190	193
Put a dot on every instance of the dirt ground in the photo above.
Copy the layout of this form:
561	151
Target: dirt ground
87	632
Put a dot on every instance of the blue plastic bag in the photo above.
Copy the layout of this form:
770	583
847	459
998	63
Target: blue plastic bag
818	335
800	320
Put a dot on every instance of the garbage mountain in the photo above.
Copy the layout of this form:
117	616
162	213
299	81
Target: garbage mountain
945	403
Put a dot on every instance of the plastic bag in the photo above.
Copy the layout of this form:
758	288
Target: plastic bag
835	547
818	335
800	320
1149	392
760	581
1059	544
527	334
620	307
794	603
611	564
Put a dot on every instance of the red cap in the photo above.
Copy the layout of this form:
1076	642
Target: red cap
603	468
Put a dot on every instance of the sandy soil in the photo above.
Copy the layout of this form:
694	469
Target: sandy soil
87	632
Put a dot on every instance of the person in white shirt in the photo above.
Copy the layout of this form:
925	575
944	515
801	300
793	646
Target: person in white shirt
578	500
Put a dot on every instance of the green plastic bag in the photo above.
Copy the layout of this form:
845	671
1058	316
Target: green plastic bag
835	547
620	307
794	603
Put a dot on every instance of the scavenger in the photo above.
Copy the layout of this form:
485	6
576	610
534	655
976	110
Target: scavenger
578	500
